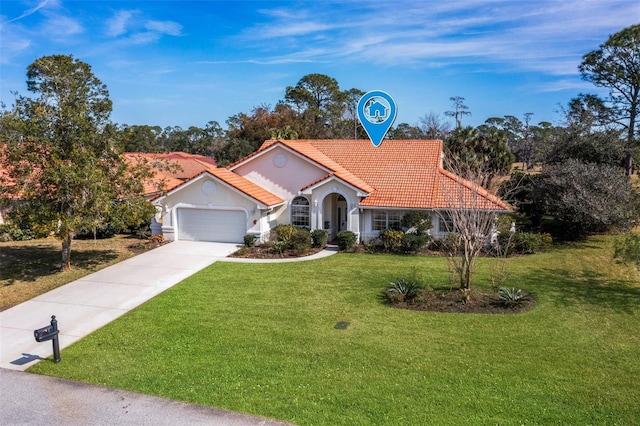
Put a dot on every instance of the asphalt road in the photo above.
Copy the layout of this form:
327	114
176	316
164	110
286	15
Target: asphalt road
31	399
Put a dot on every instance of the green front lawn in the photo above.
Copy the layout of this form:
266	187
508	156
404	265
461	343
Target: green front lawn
261	339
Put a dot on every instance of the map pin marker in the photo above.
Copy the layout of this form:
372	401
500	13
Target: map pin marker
376	112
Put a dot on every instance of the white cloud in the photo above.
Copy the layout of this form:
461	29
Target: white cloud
119	23
58	26
132	29
164	27
546	35
13	40
41	5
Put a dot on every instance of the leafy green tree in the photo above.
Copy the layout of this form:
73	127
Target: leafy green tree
587	135
246	132
574	199
616	66
194	140
232	151
284	133
523	139
319	101
597	147
62	156
587	113
351	126
406	131
138	138
481	153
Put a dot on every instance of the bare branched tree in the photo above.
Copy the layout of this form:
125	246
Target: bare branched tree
469	216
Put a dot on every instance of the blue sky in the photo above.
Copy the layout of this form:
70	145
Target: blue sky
184	63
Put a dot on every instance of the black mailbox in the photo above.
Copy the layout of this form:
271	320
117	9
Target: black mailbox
45	333
50	332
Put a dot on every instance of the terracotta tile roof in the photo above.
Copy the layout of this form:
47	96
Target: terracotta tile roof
170	169
453	191
160	182
247	187
182	165
403	173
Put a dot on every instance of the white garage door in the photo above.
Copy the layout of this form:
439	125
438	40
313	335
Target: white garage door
225	226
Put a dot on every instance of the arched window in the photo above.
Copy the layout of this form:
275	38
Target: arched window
300	212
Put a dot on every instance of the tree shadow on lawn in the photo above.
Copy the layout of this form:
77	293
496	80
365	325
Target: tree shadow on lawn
583	288
28	263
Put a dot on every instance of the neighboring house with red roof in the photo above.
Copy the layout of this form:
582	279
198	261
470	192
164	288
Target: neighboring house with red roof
319	184
169	170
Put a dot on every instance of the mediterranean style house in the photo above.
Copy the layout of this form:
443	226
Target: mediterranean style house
333	185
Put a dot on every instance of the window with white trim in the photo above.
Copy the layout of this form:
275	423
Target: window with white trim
386	219
300	212
445	223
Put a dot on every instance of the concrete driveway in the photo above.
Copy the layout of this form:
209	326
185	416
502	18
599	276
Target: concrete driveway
89	303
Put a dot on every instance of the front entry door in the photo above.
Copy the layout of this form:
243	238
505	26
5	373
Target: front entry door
341	216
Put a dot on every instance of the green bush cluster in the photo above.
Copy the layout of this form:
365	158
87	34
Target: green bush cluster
278	247
525	242
291	237
346	240
319	238
413	243
391	240
249	240
301	241
396	241
284	233
12	232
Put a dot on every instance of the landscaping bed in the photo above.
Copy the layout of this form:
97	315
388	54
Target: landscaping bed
266	252
472	301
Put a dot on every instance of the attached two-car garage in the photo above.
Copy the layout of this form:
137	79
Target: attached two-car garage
225	226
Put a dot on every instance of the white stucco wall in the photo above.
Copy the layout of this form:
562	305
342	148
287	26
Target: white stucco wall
281	172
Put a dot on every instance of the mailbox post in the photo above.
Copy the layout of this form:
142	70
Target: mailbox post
50	333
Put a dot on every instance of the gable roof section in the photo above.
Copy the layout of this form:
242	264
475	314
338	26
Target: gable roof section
456	192
237	182
310	152
247	187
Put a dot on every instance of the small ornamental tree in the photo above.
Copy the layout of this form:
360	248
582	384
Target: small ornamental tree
61	157
471	216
